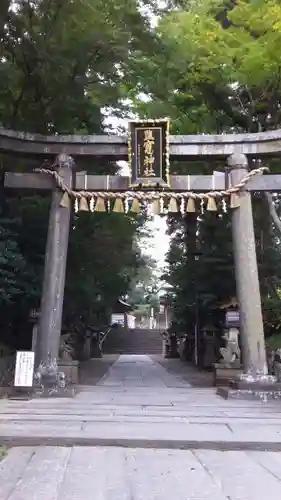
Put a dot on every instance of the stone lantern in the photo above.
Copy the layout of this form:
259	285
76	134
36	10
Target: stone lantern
34	315
229	366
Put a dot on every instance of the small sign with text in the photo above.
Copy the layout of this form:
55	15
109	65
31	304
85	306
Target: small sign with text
24	369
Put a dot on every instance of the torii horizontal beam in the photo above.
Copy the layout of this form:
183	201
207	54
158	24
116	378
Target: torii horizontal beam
196	183
115	147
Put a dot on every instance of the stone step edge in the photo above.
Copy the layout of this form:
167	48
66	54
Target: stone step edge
223	445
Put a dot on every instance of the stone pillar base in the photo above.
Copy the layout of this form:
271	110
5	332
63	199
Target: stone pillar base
70	369
20	393
25	394
52	383
224	374
54	392
261	387
48	382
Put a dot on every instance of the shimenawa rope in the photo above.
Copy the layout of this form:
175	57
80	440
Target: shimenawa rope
210	196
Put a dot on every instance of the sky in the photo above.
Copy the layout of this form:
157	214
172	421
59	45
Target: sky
160	242
158	245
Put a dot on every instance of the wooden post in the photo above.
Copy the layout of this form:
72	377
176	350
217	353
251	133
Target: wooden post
246	271
49	329
34	337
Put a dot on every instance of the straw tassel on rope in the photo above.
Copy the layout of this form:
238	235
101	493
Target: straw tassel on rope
173	205
190	206
211	204
118	205
135	207
234	200
100	205
65	200
156	207
99	200
83	205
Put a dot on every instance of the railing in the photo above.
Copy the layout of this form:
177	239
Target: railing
104	336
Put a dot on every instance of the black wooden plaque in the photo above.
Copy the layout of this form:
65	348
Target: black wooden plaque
148	152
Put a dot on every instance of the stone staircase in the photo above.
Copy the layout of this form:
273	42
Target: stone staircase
137	341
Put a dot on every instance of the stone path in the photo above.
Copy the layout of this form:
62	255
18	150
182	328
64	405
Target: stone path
92	370
57	473
188	372
140	371
135	423
139	404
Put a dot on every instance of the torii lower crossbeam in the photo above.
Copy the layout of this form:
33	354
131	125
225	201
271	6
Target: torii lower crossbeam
187	183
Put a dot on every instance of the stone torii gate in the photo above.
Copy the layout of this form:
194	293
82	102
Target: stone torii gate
235	150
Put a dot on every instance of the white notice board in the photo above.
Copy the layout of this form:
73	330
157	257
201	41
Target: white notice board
24	369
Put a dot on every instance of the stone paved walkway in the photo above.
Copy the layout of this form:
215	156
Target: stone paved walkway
188	372
139	404
140	371
57	473
147	435
91	371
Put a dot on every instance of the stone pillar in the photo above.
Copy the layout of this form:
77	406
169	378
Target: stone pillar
246	272
49	329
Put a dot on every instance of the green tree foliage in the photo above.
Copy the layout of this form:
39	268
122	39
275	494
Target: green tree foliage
104	265
218	71
21	264
63	61
143	293
12	265
61	65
